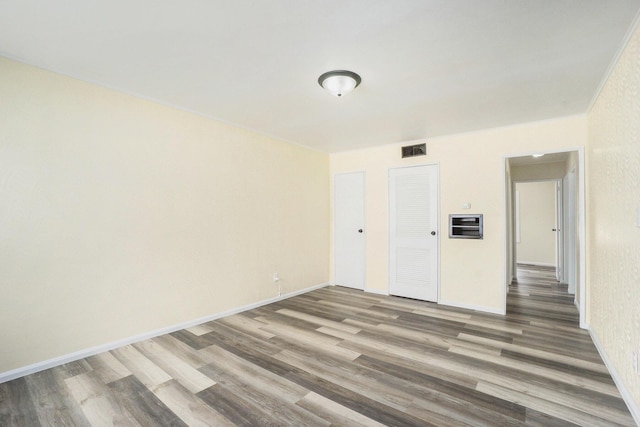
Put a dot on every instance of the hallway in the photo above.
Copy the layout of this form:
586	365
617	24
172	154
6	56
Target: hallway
537	294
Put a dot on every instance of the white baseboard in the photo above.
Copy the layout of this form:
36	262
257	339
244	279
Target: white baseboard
368	290
72	357
626	396
490	310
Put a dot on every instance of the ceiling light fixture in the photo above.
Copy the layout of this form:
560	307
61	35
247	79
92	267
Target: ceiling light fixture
339	82
537	155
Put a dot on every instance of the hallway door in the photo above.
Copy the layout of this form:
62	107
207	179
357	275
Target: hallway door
559	233
569	233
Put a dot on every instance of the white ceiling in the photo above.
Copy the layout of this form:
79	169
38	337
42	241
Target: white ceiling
428	67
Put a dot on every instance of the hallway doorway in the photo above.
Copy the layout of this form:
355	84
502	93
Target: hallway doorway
536	223
561	219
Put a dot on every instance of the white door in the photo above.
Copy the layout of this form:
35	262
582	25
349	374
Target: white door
413	227
349	255
569	231
559	235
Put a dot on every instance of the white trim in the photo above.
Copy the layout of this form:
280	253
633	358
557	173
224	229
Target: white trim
614	61
376	291
541	264
626	396
71	357
474	307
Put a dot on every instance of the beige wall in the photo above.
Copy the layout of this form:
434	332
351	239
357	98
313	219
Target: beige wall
539	171
120	216
536	220
613	196
472	168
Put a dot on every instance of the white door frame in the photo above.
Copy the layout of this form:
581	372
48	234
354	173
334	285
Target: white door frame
580	212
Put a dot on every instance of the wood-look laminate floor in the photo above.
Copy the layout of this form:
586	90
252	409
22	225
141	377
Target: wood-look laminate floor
337	356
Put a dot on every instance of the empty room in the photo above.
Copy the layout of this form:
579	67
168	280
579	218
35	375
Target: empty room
316	213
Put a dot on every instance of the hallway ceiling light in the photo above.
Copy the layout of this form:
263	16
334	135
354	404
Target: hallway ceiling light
537	155
339	82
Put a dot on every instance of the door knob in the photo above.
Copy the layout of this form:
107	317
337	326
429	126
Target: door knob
433	233
360	230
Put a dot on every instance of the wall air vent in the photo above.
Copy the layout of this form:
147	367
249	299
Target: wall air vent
414	150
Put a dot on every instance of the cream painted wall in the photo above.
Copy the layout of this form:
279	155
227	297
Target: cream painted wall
537	219
613	197
119	216
540	171
472	168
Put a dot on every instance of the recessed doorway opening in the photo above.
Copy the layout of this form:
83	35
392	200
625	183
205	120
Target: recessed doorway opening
556	227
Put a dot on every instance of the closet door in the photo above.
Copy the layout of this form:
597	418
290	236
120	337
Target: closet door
349	240
413	232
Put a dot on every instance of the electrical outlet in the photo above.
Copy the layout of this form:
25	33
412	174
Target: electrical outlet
275	277
634	361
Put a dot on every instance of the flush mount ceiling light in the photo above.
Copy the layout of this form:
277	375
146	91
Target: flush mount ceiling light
339	82
537	155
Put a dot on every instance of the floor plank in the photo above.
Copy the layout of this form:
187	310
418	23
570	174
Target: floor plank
16	406
98	404
145	407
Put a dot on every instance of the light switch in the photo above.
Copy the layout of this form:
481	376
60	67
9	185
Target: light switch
468	206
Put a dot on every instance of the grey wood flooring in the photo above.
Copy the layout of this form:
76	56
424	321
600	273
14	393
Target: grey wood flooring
338	356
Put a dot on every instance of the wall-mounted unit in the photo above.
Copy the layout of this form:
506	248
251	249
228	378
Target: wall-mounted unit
463	226
414	150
